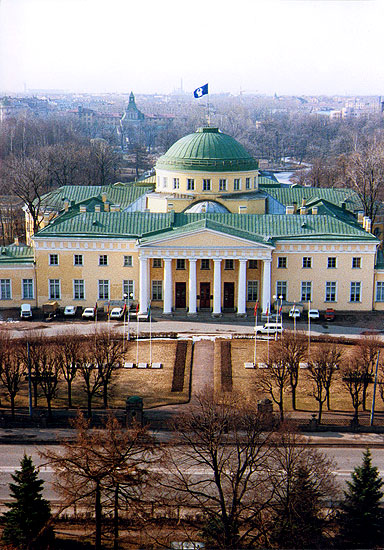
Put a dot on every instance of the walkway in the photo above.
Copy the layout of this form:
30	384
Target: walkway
202	366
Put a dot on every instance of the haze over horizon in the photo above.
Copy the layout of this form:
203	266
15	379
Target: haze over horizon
288	47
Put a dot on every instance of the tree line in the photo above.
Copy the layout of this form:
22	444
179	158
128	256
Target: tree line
241	482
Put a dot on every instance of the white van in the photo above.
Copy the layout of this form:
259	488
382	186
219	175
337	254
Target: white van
269	328
25	311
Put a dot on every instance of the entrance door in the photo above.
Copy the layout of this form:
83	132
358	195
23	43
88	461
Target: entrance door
205	295
229	296
181	300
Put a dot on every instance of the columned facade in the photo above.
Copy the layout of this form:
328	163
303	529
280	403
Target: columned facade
199	278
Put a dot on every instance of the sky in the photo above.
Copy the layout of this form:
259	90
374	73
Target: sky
298	47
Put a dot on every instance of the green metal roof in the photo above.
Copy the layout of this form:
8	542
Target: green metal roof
16	254
256	227
288	195
122	194
209	150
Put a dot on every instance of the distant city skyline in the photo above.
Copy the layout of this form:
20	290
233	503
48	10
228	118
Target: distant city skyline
288	47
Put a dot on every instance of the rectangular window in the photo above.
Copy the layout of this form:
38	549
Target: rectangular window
281	289
222	185
206	185
128	261
204	263
103	289
236	184
331	262
356	263
190	184
252	291
78	259
307	262
306	291
27	289
157	290
129	289
156	263
180	263
103	259
54	289
282	262
5	289
53	259
228	264
247	183
355	295
165	182
330	291
255	182
252	264
78	289
176	183
379	291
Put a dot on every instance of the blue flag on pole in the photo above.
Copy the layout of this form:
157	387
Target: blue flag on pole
203	90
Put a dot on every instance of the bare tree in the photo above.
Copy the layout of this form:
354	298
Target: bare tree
229	446
323	364
107	353
69	352
293	348
47	371
368	350
12	368
89	372
275	379
353	372
99	463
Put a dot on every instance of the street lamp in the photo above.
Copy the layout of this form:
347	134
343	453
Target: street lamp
279	300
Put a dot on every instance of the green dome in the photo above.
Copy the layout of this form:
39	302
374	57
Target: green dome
208	150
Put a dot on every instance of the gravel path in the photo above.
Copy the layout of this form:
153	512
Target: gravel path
202	367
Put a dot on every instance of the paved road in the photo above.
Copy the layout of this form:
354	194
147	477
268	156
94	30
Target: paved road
10	455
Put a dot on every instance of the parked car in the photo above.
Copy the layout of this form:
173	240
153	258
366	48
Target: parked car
116	313
25	311
70	311
269	328
294	313
88	313
314	314
329	314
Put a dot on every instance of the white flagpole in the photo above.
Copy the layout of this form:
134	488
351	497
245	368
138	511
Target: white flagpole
150	335
137	340
254	351
268	332
309	330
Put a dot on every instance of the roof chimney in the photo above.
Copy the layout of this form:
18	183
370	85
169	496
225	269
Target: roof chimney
16	243
104	196
294	207
106	207
315	210
289	209
303	211
66	205
83	208
360	215
115	207
97	207
303	201
368	225
365	219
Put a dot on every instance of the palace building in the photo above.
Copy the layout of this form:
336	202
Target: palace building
213	235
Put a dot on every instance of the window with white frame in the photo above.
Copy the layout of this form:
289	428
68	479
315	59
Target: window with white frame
222	185
356	263
252	291
380	291
281	289
129	288
331	262
307	262
355	294
165	182
78	289
206	185
103	289
27	289
247	183
157	290
128	261
103	259
282	262
53	259
237	184
190	184
330	291
306	291
156	263
54	289
180	263
78	259
228	264
5	289
176	183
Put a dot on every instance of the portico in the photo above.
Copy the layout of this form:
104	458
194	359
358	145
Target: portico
206	271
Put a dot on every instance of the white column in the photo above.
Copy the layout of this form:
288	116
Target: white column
266	290
241	288
192	287
167	303
217	287
143	302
